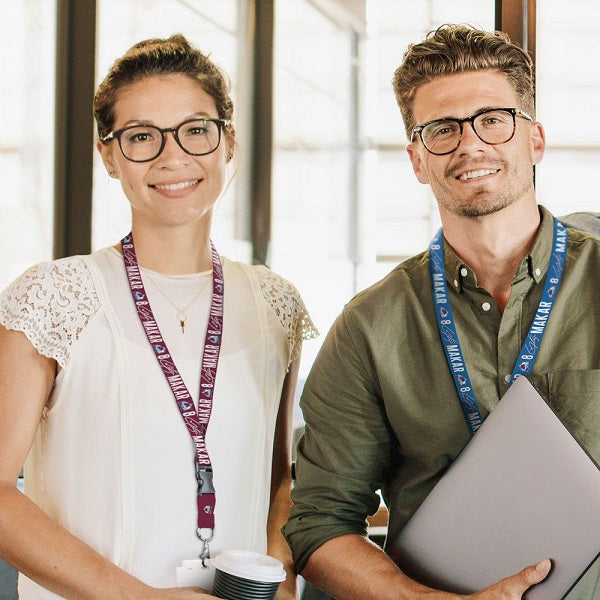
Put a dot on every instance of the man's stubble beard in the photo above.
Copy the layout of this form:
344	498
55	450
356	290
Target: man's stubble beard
481	203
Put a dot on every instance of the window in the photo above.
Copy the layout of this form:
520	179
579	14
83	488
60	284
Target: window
316	129
568	88
27	124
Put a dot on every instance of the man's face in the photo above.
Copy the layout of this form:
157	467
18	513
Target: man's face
477	178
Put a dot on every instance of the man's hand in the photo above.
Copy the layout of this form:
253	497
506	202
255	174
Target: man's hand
513	588
350	567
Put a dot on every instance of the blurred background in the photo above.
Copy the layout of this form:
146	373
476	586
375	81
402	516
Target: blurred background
323	190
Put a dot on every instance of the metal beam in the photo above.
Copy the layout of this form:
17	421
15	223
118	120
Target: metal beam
74	126
262	131
517	18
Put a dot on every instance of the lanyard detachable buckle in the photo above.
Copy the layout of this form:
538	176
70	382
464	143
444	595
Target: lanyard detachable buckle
204	478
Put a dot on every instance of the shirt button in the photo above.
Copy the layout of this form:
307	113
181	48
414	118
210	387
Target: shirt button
486	306
507	378
464	272
538	271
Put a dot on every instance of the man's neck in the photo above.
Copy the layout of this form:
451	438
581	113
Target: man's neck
494	245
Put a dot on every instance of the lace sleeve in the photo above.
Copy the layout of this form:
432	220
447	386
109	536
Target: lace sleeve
285	300
51	303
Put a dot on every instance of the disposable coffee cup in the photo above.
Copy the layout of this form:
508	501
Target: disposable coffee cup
245	575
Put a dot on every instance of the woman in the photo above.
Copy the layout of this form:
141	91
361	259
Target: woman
131	467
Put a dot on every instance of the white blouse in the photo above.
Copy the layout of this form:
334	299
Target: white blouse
112	461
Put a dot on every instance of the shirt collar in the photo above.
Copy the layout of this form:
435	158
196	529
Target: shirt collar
534	264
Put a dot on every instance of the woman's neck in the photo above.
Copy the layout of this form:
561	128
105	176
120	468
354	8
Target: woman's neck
172	250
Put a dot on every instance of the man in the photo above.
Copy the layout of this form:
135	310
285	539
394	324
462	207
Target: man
381	407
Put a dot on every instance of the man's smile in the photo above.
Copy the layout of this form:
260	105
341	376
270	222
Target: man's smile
476	174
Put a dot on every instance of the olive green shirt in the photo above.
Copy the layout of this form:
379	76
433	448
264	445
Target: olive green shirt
380	405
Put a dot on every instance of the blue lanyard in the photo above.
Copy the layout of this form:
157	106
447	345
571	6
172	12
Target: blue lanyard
447	328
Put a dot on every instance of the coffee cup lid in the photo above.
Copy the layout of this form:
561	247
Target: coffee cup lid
250	565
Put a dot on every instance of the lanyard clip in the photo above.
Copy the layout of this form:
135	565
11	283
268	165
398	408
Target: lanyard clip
205	539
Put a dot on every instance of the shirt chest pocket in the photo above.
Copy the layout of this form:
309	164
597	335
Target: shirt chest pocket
575	396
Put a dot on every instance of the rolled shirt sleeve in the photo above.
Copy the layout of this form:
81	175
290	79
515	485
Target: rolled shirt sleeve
347	446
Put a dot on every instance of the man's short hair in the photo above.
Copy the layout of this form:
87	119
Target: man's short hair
452	49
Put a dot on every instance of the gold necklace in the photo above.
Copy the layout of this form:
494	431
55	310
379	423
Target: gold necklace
181	312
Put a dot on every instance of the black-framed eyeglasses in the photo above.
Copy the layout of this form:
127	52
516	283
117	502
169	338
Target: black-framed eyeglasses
493	126
142	143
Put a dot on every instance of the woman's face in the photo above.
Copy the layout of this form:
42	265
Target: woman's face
175	188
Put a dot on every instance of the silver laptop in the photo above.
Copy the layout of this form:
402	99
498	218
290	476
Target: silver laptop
522	490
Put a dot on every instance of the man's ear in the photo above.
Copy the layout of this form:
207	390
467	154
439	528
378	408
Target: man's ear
538	142
105	153
416	160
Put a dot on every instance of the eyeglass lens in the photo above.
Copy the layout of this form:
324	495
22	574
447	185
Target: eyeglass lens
145	142
493	127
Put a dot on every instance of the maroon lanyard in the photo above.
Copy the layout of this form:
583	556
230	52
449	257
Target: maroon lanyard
196	421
